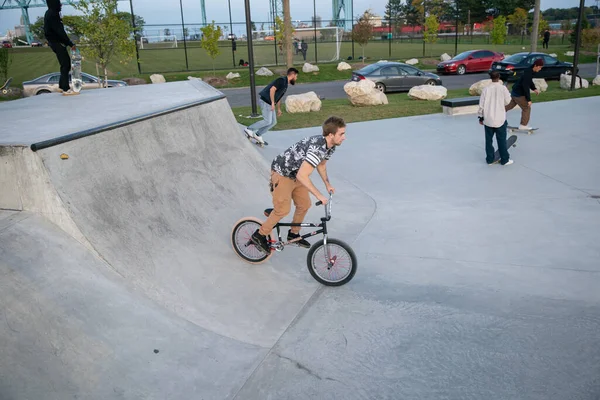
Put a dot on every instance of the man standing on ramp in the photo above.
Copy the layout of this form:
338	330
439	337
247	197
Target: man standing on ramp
54	31
290	179
269	97
492	114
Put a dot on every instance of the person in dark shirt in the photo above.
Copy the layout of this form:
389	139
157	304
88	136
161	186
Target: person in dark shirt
521	93
268	98
546	39
58	40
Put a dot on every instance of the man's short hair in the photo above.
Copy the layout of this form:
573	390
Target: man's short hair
538	63
292	70
495	75
332	124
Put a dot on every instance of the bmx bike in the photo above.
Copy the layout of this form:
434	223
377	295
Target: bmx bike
331	262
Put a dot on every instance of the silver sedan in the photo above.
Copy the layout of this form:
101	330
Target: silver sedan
391	76
49	84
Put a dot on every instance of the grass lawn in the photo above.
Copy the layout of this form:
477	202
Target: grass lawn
400	105
29	63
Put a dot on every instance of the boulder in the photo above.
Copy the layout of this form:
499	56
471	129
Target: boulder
428	92
193	77
264	72
412	61
540	84
302	103
157	78
596	81
565	82
363	93
570	53
477	87
343	66
233	75
553	55
445	57
381	61
134	81
307	67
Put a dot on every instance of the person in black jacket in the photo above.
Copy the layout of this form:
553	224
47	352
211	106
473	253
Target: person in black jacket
521	93
54	31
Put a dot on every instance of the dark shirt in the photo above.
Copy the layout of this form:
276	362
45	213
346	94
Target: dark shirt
54	29
524	85
281	84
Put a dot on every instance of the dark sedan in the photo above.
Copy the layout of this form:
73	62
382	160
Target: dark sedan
469	61
511	68
390	76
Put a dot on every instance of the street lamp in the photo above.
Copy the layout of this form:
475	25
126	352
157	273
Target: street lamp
251	58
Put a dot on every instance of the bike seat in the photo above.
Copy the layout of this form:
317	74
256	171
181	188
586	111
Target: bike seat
268	212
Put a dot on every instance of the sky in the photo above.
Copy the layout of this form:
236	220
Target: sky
168	11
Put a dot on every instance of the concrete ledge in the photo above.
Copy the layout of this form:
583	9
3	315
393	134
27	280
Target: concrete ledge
460	110
461	105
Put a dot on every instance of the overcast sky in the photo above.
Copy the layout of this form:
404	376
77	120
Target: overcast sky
167	11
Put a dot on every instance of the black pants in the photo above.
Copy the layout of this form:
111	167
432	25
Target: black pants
545	44
65	64
500	139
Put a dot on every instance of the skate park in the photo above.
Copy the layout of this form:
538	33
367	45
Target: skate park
118	277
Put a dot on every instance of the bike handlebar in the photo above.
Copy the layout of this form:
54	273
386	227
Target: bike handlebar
328	207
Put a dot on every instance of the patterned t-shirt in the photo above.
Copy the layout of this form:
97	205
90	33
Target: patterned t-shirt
312	149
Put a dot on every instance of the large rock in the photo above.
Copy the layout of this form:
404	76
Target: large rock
363	93
428	92
540	84
596	81
264	72
157	78
412	61
445	57
343	66
233	75
135	81
553	55
477	87
308	67
570	53
565	82
302	103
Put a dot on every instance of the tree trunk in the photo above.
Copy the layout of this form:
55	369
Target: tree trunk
287	37
534	28
105	77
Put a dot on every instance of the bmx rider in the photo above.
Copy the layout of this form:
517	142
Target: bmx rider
290	179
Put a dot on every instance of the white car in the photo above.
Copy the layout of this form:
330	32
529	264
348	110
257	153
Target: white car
49	84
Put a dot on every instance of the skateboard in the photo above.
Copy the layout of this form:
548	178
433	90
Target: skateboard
256	142
510	142
5	89
76	72
511	129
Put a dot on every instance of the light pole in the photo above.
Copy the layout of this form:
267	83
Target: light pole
137	52
232	34
251	58
577	44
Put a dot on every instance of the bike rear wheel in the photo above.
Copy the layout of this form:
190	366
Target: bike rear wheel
343	259
243	246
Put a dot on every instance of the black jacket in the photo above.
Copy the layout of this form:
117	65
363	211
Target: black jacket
54	29
524	85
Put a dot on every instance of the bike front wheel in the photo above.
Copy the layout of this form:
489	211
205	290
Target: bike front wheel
336	271
243	246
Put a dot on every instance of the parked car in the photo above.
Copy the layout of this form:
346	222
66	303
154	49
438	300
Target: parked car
49	84
6	44
511	68
390	76
470	61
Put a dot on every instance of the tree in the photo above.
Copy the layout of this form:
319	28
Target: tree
543	26
363	31
395	14
535	27
103	34
139	23
431	29
519	20
585	24
210	41
505	7
499	30
287	22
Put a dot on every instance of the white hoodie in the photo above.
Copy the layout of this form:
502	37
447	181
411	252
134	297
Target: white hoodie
493	99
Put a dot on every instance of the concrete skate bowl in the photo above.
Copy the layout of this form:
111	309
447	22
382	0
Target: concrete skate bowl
118	265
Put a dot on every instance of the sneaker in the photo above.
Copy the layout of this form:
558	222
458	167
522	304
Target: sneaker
301	242
259	139
260	241
508	162
69	92
524	127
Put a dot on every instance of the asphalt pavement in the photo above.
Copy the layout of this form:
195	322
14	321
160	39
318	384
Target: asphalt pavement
240	97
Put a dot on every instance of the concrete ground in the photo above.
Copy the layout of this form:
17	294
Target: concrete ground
470	284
